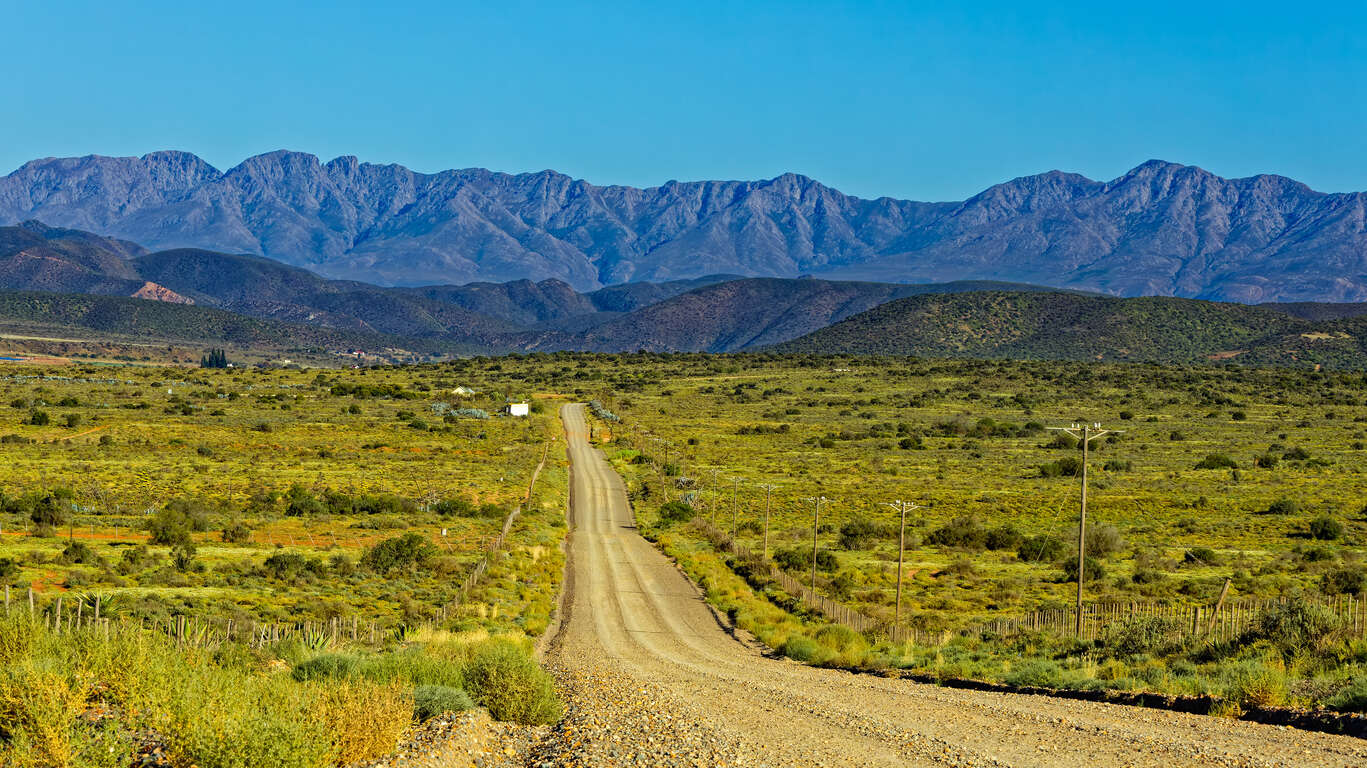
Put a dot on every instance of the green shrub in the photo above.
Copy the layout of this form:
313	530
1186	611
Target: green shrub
962	532
1326	528
859	533
1039	673
1142	634
1344	581
1353	698
237	533
1283	507
1092	568
1217	461
1295	627
799	647
1040	549
285	565
1068	466
412	667
79	552
47	509
410	549
849	648
1003	537
1201	556
675	512
173	523
429	701
327	666
800	559
222	720
1103	540
1256	683
505	681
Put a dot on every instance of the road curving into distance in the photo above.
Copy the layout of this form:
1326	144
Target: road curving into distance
651	677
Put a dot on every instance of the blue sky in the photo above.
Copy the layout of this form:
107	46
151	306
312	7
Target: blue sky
916	101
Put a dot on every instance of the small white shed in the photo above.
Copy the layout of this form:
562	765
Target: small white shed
519	409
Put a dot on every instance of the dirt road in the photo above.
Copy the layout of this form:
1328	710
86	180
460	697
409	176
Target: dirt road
652	678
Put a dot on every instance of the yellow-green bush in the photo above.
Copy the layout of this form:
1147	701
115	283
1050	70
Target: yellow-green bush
503	679
366	720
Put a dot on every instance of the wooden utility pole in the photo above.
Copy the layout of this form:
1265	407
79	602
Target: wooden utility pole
816	524
735	508
768	496
903	507
716	487
1088	433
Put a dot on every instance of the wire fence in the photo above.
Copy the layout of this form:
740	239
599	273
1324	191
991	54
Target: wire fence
67	612
1222	621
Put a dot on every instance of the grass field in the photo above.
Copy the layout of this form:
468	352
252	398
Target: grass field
1221	473
290	496
259	497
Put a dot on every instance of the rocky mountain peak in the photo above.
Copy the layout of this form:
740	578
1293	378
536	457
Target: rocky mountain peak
1160	228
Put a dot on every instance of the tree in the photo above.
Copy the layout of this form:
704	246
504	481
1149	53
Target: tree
50	509
217	358
300	502
172	525
409	549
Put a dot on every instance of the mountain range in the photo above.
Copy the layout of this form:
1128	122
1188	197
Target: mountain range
79	282
1160	229
718	313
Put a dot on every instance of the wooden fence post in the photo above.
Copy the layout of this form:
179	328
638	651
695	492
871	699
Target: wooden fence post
1219	603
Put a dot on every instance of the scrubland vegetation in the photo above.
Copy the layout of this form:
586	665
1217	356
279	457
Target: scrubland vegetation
241	498
264	497
1221	474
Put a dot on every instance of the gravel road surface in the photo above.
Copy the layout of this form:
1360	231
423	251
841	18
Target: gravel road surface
652	678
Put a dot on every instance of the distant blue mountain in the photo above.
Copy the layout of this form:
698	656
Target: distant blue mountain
1161	229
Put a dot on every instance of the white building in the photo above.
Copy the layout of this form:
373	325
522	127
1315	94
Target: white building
519	409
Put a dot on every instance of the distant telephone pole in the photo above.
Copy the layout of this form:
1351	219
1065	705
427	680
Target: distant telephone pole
816	524
735	508
768	496
716	489
903	507
1085	434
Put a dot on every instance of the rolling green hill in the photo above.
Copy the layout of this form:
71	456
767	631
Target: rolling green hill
1061	326
115	317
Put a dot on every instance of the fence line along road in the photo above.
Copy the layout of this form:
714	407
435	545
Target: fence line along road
473	579
68	612
1220	622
